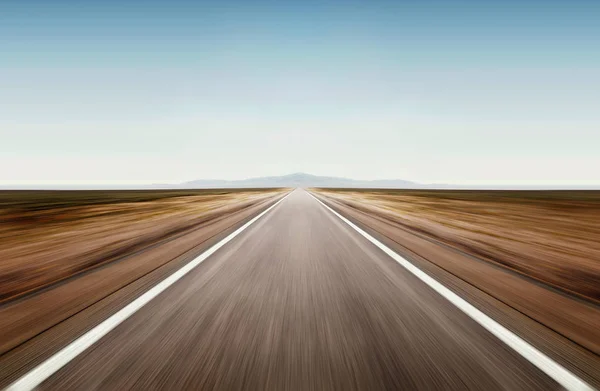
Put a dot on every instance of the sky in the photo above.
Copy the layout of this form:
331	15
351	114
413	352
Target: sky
457	92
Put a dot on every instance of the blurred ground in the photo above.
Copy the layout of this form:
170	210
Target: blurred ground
536	251
552	236
64	251
47	236
299	300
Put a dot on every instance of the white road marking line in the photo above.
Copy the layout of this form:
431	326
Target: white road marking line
550	367
46	369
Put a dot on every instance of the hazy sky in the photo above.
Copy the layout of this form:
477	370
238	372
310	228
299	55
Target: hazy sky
168	91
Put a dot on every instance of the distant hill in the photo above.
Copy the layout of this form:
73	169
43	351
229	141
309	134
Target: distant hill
302	180
298	180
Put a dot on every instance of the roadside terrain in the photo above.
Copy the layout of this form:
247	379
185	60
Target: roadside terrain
297	301
64	250
291	299
49	236
536	251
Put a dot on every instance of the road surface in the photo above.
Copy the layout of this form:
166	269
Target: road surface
299	300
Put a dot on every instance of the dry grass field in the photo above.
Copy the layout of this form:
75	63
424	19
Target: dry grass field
48	236
550	236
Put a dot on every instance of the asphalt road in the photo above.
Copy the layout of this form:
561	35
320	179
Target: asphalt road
299	301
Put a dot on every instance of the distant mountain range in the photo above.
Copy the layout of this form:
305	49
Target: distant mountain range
304	180
297	180
301	180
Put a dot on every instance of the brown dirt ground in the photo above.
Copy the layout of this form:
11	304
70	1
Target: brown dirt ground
48	236
550	236
453	231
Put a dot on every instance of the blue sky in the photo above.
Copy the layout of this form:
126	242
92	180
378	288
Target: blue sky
430	91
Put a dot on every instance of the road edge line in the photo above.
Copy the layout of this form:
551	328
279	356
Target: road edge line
544	363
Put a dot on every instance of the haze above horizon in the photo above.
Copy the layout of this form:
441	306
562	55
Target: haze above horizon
463	92
294	180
